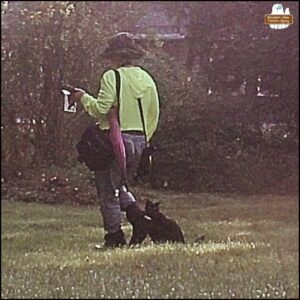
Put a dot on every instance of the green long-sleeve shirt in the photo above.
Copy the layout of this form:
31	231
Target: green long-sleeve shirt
135	83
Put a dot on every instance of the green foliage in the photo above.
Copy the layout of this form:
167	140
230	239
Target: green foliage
206	142
215	142
48	251
44	45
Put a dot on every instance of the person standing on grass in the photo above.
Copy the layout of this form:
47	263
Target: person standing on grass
136	83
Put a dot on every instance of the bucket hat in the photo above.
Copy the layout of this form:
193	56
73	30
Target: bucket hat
123	45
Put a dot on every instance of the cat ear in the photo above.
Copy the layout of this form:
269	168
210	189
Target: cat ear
156	204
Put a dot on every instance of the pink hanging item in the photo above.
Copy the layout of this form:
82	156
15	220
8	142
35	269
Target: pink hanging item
117	141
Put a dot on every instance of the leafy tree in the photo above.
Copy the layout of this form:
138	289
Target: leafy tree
215	142
207	142
46	44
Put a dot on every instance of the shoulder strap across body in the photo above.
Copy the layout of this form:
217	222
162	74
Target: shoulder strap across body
118	85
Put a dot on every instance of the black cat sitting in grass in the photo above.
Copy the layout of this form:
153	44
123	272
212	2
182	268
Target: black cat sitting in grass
162	229
153	223
141	224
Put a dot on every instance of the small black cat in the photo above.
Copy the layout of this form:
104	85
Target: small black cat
162	229
141	224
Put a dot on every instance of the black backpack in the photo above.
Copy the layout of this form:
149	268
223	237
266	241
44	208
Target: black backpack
95	148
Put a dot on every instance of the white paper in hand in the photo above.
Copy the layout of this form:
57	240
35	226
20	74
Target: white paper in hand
66	102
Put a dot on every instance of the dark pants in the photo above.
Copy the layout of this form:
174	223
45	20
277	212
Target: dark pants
107	182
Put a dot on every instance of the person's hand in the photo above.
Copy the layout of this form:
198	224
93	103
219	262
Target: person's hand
75	96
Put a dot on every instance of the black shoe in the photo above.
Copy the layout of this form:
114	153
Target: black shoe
116	239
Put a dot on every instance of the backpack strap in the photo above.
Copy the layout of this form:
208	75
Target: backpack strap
118	88
143	119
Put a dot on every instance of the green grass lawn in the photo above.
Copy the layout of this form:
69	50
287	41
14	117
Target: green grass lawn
250	251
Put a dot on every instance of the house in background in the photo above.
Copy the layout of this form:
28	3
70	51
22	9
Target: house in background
158	24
